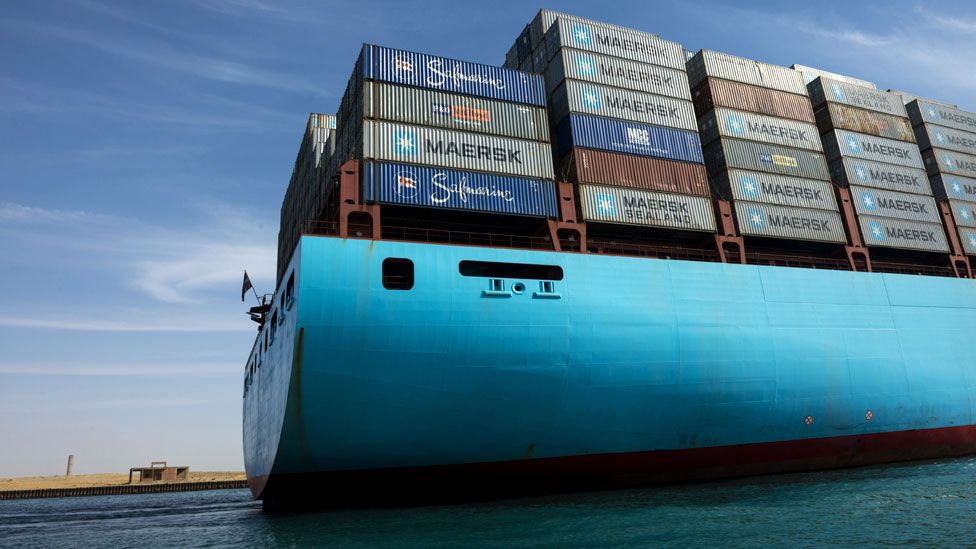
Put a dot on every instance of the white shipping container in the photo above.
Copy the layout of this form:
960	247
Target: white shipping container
839	143
707	63
724	122
623	43
646	208
611	102
888	232
612	71
913	207
756	219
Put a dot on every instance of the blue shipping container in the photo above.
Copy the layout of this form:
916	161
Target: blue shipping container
595	132
395	183
441	73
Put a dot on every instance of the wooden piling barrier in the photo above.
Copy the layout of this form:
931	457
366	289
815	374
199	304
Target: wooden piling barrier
121	489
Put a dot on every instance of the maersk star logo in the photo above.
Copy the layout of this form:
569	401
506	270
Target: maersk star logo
853	145
877	231
932	113
585	65
734	124
956	186
582	34
939	137
756	218
838	92
860	172
405	143
591	99
965	214
972	241
604	202
749	185
947	161
868	200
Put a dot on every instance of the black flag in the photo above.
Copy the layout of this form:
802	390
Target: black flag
245	286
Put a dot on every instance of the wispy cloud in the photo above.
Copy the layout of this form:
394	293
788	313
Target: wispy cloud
122	369
77	323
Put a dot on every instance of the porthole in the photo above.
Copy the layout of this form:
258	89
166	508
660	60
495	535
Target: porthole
518	288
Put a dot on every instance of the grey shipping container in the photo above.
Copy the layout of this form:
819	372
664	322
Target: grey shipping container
454	149
823	90
841	117
869	147
628	170
880	175
647	208
930	135
755	219
409	105
949	162
728	153
968	238
913	207
930	112
627	44
888	232
621	73
723	122
635	106
713	92
545	19
781	190
947	186
907	98
722	65
964	213
810	74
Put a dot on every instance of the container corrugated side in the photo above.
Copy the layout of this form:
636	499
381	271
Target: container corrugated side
727	153
391	183
949	162
964	213
946	186
650	209
930	112
450	75
968	239
930	135
887	232
838	143
454	149
913	207
453	111
545	19
627	170
824	89
594	132
834	116
612	71
723	122
756	219
810	74
634	106
707	63
626	44
781	190
854	171
713	92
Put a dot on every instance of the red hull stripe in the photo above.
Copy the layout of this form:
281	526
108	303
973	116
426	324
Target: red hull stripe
532	476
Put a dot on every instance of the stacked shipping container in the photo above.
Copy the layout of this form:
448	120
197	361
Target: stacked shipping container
446	134
947	138
623	123
872	150
304	196
762	149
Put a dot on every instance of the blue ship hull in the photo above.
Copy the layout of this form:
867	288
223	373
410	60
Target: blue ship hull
635	370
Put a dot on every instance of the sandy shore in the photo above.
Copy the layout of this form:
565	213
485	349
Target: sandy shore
104	479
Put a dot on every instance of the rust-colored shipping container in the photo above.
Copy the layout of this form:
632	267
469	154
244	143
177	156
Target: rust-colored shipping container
714	92
637	172
835	116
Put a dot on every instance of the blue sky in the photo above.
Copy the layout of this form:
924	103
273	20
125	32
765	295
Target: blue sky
146	147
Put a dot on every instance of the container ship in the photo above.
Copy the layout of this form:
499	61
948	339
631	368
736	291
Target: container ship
611	262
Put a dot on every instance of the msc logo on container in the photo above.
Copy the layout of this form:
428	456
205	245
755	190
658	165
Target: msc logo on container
606	205
734	124
860	172
838	92
405	143
756	218
867	199
853	145
581	33
638	136
406	184
876	230
749	186
585	65
591	98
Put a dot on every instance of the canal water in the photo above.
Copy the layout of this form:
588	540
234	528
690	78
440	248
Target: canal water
917	504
